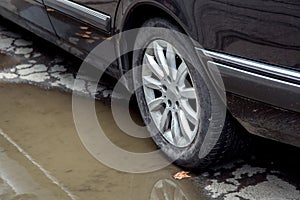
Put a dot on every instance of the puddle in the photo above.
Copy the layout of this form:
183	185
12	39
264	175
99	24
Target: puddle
41	123
7	61
117	136
29	184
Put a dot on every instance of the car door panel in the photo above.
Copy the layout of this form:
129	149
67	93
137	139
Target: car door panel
105	6
265	31
32	12
78	24
82	13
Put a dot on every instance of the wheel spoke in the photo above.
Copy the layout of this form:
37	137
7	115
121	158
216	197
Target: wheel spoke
152	83
184	126
181	74
160	57
190	113
163	120
169	94
189	93
155	104
175	130
171	56
154	67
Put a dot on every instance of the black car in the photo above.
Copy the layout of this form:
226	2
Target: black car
254	44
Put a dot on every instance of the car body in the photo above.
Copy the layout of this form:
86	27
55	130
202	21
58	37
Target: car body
255	44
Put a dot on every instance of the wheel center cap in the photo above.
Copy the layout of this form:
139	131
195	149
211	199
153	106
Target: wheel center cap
170	94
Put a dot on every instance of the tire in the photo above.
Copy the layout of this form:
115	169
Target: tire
211	113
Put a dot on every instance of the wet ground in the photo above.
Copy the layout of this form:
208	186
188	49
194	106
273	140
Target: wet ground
42	157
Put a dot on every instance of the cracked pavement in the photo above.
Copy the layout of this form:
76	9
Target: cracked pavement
43	70
271	172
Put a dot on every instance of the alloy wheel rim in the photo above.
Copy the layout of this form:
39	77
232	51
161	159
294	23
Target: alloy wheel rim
170	93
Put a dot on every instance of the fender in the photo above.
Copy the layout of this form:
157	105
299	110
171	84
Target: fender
176	9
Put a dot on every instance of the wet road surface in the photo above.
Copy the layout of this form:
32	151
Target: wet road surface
42	157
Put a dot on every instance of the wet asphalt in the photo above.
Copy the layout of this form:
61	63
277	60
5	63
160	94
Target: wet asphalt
42	156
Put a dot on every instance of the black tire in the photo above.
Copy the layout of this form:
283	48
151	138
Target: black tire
212	111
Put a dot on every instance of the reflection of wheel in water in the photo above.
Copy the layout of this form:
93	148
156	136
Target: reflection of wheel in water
167	190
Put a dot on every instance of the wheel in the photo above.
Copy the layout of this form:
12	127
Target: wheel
175	99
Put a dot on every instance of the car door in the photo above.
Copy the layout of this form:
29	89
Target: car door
32	12
265	31
82	23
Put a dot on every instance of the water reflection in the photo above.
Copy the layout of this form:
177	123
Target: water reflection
167	189
44	129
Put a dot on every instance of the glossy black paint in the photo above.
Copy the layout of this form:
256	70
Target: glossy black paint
77	11
266	31
31	12
79	31
266	83
75	32
261	88
108	7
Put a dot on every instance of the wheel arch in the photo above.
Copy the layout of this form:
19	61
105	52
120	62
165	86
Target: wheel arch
145	10
132	14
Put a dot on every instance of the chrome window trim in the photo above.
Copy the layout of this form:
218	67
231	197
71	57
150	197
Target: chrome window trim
253	65
82	13
211	63
269	84
39	1
84	9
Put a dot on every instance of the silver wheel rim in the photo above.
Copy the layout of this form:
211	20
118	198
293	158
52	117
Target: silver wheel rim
170	93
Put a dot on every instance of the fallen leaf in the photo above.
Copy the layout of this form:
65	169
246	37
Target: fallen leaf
82	35
50	10
181	175
90	41
84	27
85	36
